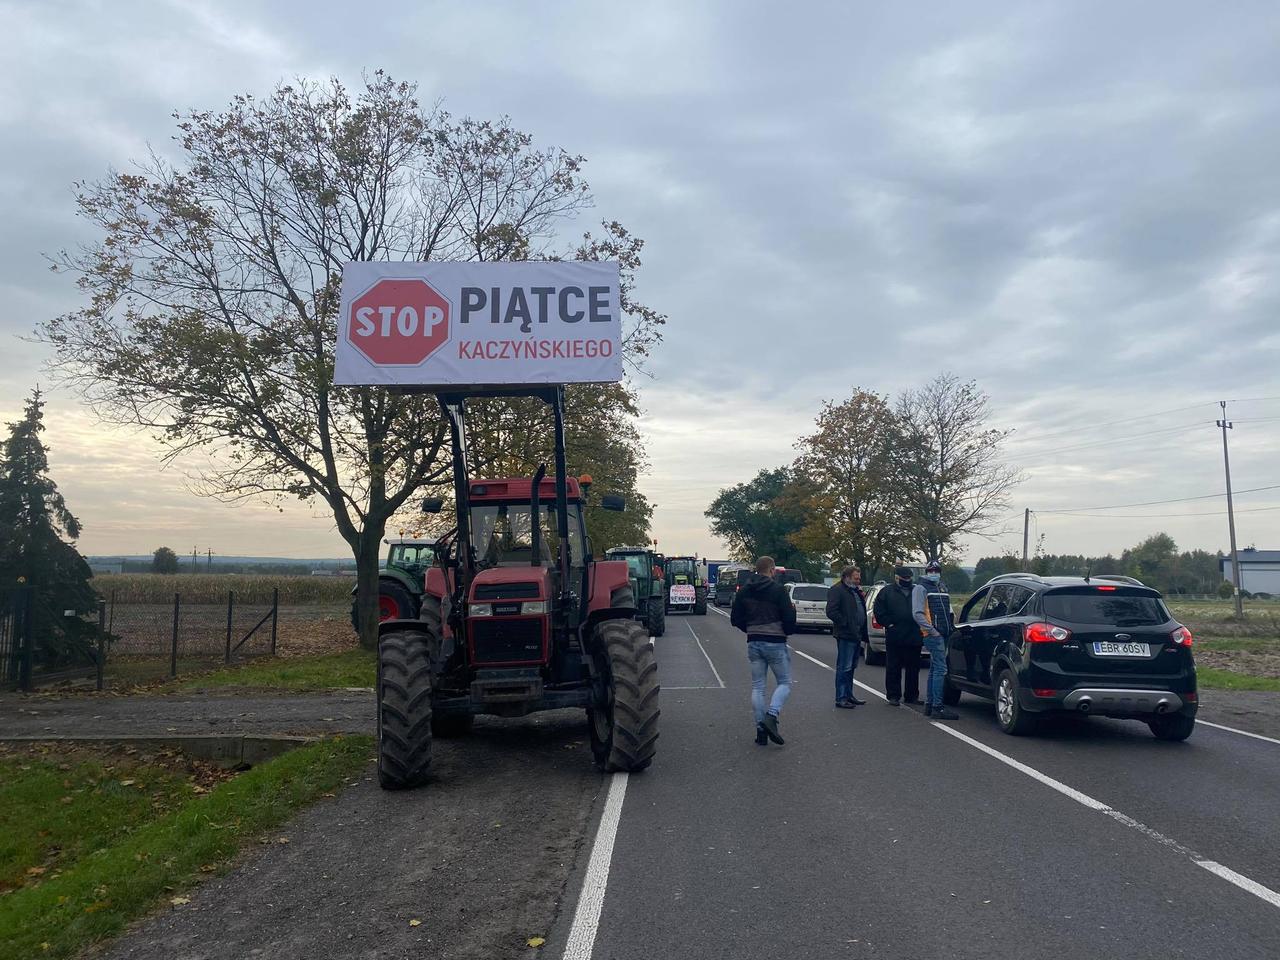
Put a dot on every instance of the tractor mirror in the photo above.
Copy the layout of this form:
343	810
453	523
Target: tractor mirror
433	505
611	501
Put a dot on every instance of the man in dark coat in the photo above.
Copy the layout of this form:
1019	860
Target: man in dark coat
902	639
847	611
763	611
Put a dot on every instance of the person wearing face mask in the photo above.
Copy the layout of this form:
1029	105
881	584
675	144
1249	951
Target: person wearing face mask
902	639
932	613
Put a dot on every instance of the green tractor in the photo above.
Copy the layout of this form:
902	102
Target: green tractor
686	585
646	587
402	581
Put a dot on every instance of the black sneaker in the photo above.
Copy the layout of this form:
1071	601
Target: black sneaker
939	712
857	703
845	704
911	700
771	729
893	701
762	738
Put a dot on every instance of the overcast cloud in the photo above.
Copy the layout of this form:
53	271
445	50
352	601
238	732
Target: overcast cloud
1076	204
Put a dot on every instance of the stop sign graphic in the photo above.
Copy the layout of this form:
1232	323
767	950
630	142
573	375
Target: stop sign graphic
398	322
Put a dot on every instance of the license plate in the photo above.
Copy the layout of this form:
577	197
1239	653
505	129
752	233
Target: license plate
1109	648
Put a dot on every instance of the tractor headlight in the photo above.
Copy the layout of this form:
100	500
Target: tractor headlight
534	607
480	609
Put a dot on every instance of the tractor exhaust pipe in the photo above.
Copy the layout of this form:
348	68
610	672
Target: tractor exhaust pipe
535	521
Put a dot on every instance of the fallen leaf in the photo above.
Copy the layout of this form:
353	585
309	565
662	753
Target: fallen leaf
35	871
179	901
415	923
535	941
282	839
127	783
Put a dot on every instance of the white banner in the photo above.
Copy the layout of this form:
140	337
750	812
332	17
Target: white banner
683	593
479	324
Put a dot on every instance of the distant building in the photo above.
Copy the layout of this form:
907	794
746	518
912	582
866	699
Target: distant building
106	565
1259	570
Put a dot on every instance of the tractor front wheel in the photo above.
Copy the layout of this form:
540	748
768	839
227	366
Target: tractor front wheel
404	708
624	720
700	603
657	616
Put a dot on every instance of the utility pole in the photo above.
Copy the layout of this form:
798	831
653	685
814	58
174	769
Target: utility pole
195	559
209	565
1026	532
1226	425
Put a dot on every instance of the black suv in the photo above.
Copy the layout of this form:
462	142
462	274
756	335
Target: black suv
1106	645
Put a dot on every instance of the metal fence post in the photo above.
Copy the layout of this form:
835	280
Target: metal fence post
102	641
230	610
173	650
111	614
275	616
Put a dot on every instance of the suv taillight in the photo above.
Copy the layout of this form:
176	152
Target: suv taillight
1182	637
1046	633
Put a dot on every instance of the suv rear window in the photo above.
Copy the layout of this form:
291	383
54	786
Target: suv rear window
808	593
1117	609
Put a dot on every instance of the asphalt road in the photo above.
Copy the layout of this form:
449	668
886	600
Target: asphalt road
872	833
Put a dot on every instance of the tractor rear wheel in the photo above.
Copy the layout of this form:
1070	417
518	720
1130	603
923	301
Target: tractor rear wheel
404	708
624	721
657	616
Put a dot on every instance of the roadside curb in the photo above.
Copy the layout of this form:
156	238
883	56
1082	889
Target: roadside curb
231	750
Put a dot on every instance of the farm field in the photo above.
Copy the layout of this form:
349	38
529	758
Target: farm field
212	588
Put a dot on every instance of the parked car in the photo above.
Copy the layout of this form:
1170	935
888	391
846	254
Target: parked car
1105	645
874	653
810	600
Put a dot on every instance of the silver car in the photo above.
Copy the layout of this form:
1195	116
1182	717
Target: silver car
810	601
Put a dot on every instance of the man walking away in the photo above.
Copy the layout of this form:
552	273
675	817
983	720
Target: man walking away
763	611
847	611
901	639
932	613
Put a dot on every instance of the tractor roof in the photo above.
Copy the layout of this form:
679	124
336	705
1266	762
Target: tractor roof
629	550
410	541
519	490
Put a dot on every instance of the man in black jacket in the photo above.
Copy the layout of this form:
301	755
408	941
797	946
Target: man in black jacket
847	611
763	611
902	639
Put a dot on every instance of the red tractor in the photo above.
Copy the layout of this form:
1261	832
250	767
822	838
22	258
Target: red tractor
516	617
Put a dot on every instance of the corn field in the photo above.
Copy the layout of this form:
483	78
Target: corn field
206	588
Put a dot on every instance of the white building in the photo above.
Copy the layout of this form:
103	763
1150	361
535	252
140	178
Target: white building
1259	570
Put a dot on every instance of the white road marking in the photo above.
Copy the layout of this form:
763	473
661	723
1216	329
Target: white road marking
857	683
1226	873
1243	733
586	919
705	654
719	611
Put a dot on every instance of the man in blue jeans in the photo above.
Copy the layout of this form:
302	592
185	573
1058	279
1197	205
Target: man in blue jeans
763	611
932	612
847	611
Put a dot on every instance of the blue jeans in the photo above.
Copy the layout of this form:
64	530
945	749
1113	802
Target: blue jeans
937	648
766	655
847	652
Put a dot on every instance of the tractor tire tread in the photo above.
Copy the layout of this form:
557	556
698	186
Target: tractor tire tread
404	708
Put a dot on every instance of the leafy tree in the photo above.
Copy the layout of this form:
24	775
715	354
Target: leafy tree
988	567
164	560
213	293
1153	561
760	517
846	492
946	463
956	579
35	527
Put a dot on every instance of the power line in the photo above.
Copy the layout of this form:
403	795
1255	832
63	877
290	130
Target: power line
1158	516
1111	423
1152	503
1183	428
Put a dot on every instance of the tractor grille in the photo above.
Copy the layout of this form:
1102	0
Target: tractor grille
506	591
503	640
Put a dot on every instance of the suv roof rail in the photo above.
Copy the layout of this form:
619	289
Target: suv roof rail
1019	576
1118	578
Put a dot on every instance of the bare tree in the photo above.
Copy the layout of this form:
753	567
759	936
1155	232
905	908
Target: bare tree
946	464
213	293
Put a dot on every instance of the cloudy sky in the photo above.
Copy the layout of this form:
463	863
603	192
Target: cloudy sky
1076	204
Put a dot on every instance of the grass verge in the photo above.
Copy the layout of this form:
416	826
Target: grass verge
113	858
1216	679
350	668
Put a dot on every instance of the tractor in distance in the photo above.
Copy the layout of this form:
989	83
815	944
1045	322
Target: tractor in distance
646	586
686	586
516	617
400	581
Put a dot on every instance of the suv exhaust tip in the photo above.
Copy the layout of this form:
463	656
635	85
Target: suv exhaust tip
1084	705
1162	706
